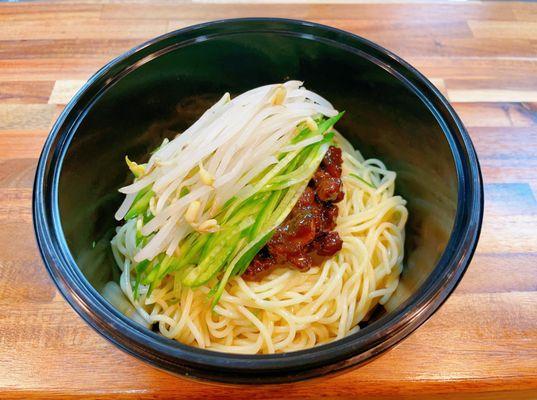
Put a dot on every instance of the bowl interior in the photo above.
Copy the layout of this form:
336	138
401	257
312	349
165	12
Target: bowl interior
166	92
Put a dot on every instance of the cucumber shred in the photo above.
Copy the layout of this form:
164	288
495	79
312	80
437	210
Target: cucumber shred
246	221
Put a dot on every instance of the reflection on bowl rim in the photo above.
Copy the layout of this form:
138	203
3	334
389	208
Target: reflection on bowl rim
176	357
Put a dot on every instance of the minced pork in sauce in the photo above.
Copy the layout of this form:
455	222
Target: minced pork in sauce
309	228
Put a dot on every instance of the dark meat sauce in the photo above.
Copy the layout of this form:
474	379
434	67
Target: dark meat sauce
309	228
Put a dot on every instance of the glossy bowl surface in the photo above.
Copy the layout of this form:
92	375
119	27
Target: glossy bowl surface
159	88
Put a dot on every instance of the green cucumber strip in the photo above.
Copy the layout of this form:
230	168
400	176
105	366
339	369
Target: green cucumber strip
323	124
241	265
135	290
276	169
328	137
329	123
300	174
147	216
139	238
286	204
174	265
237	224
150	290
216	266
305	133
209	244
159	268
218	259
244	209
211	263
247	257
293	164
140	268
307	153
153	265
265	213
191	250
228	203
147	239
140	204
311	156
209	254
364	181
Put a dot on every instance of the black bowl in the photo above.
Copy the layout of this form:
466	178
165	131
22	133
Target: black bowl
160	87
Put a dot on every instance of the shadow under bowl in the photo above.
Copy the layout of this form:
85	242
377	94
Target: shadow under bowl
158	89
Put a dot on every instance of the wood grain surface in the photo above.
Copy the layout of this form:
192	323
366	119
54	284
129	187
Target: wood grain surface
483	55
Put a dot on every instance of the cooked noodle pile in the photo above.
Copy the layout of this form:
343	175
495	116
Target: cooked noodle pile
290	310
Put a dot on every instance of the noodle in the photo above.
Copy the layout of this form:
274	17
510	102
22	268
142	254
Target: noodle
289	310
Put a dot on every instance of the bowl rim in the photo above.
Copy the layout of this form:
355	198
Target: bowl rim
189	361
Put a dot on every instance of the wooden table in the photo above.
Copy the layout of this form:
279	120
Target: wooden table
483	56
